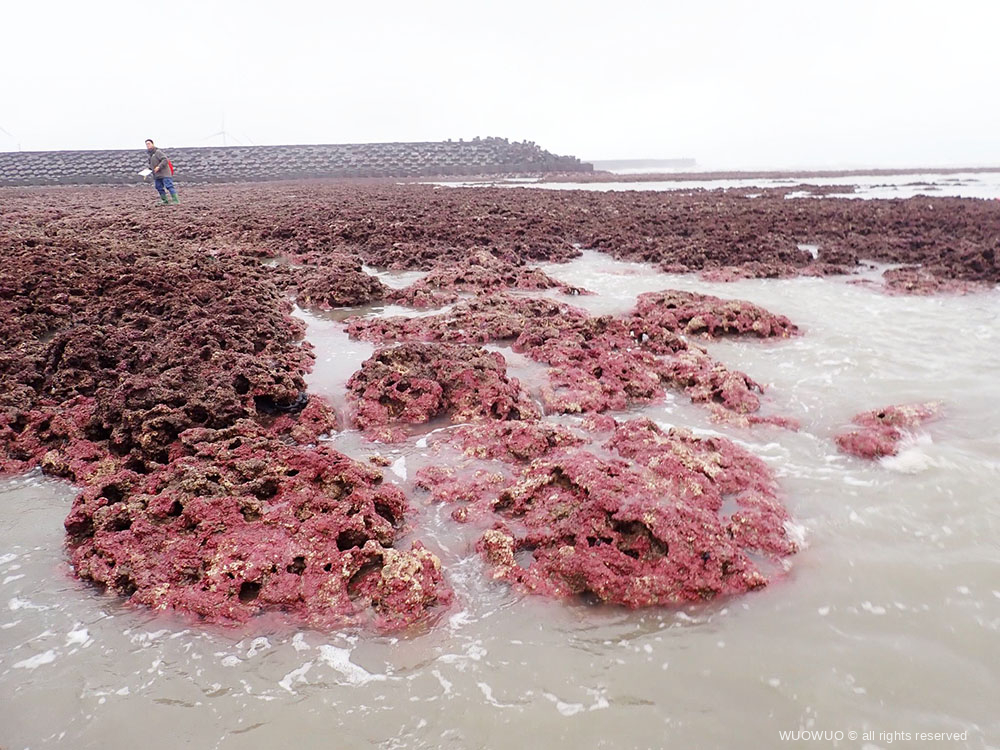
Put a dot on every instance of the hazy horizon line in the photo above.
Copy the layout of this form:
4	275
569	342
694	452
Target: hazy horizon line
699	165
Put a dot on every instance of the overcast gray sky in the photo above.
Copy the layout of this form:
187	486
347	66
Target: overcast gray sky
772	83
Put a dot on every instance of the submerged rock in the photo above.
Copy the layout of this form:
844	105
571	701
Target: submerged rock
883	429
921	281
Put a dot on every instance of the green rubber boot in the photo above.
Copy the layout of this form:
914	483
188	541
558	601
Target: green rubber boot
174	198
164	200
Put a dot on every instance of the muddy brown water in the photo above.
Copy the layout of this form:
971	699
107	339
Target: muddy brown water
886	621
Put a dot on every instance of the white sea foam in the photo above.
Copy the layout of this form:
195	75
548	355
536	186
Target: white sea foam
398	467
340	659
78	636
295	676
46	657
913	456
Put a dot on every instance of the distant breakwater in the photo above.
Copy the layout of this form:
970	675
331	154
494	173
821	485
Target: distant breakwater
260	163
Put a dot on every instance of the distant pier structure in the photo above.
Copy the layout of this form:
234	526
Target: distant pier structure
479	156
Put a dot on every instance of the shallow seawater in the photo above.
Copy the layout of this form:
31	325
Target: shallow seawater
934	184
886	621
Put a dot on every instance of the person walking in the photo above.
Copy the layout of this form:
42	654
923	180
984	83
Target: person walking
160	166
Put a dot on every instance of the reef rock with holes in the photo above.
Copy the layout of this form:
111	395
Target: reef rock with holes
242	522
648	517
882	430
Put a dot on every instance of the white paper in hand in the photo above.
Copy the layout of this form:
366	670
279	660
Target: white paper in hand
146	172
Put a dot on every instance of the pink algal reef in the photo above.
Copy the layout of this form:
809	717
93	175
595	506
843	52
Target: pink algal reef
882	430
153	359
641	517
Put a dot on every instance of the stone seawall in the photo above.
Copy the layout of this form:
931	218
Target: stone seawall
255	163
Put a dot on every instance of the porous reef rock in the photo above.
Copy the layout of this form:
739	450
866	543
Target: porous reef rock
709	381
493	317
242	522
605	362
726	232
482	272
169	384
340	284
125	327
692	313
422	298
416	381
916	280
138	349
414	227
667	517
883	429
512	441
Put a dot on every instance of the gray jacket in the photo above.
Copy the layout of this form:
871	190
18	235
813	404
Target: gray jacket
158	159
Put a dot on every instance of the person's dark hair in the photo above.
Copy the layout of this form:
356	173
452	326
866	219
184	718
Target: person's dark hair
150	140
